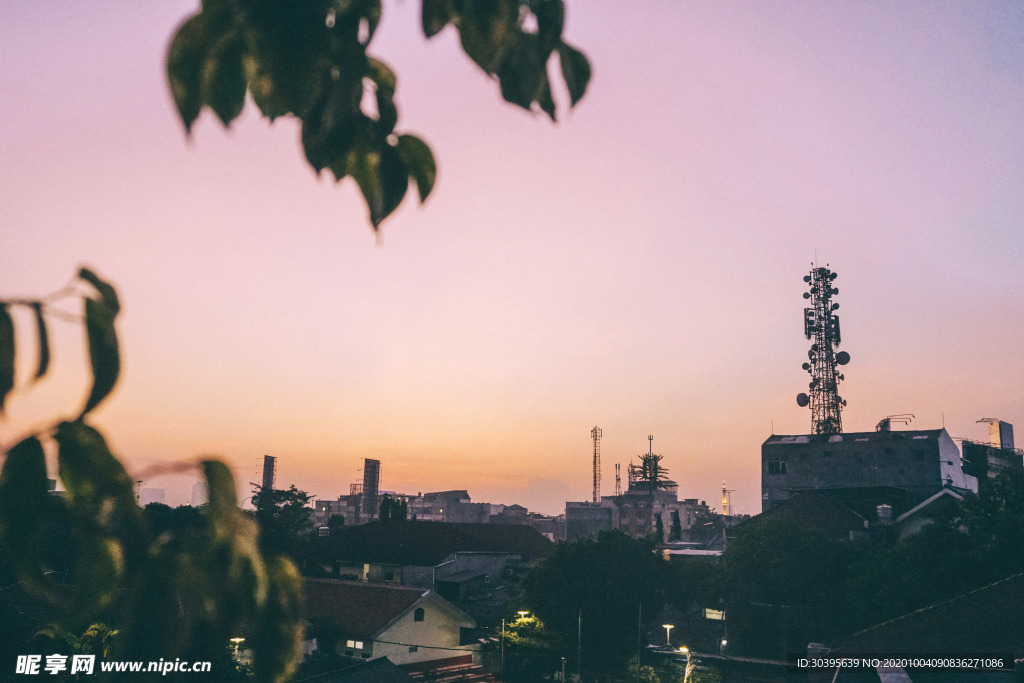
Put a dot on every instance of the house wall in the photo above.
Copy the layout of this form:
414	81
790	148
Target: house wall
436	637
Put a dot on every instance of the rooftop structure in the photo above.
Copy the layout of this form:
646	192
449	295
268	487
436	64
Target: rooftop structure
863	469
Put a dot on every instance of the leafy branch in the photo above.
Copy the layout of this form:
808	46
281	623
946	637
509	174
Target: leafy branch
186	595
311	60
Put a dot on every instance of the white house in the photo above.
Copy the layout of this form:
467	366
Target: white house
369	621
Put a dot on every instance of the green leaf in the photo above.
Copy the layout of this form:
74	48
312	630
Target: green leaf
575	71
278	638
220	486
106	291
102	337
522	71
6	354
98	570
90	473
223	78
488	29
384	80
383	179
185	59
44	340
545	100
25	511
420	162
436	15
550	22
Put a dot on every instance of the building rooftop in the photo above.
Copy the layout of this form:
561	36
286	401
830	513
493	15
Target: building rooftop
985	620
357	609
426	544
913	434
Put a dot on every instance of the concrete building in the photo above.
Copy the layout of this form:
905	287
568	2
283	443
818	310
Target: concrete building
988	460
864	470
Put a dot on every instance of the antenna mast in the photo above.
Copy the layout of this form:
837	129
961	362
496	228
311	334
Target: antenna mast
821	326
595	434
618	481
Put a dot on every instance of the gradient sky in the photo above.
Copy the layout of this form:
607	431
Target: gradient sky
637	266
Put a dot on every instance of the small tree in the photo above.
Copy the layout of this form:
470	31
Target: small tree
284	518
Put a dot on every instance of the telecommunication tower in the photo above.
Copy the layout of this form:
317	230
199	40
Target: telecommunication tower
595	434
618	481
821	326
725	500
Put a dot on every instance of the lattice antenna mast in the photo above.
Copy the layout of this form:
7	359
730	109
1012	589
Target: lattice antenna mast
821	326
595	434
618	480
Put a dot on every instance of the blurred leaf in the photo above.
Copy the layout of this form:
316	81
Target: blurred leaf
220	486
488	29
90	473
550	22
436	15
575	71
185	59
107	293
223	78
6	354
102	337
522	71
383	179
278	640
98	571
384	80
420	162
24	511
44	340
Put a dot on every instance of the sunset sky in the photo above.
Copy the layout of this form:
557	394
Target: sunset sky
637	266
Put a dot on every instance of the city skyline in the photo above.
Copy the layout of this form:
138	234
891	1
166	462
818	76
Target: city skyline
637	266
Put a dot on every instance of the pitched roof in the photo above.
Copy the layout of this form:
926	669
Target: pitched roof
426	544
357	609
985	620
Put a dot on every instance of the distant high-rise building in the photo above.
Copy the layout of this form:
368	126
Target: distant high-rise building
147	496
371	485
198	494
269	471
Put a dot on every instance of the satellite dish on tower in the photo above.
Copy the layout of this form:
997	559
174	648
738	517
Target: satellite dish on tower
842	358
802	400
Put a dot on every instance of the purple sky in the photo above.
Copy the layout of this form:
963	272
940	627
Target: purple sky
637	266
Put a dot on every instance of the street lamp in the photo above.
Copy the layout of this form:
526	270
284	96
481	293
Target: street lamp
522	613
668	633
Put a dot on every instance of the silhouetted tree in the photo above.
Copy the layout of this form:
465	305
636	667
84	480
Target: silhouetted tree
607	579
677	527
284	518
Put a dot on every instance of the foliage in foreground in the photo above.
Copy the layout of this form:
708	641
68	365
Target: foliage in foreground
311	60
184	592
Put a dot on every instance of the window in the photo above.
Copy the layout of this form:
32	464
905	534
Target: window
776	467
414	648
418	614
356	644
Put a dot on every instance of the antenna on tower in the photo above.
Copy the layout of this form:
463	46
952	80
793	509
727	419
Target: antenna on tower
618	481
595	434
821	326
